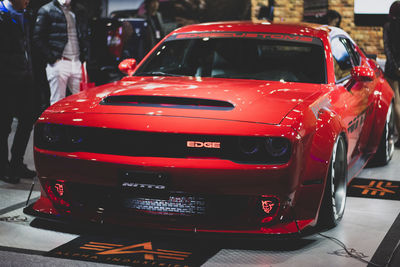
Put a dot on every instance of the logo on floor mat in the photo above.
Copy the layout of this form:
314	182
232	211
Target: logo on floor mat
373	188
136	251
377	187
146	249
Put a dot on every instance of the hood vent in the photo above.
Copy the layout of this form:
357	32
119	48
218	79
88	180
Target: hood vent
166	102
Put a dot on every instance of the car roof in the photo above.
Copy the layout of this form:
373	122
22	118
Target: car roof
306	29
334	31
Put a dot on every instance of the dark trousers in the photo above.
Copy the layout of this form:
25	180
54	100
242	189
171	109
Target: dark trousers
19	104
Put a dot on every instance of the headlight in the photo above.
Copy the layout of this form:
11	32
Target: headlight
52	134
58	137
249	145
263	150
277	146
75	135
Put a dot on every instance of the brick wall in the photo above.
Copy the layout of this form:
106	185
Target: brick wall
369	38
285	10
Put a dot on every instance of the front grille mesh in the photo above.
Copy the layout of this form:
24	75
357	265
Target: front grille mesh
174	205
87	198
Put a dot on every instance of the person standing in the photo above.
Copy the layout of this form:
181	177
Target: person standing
61	36
391	40
154	31
42	88
333	18
189	11
17	89
267	12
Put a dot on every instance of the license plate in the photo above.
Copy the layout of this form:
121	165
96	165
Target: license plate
144	183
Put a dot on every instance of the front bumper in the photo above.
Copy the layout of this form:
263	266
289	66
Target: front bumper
40	209
233	189
199	177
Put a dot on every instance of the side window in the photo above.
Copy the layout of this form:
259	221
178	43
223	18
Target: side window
342	58
355	56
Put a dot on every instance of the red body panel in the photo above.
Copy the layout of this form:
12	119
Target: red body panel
310	116
248	96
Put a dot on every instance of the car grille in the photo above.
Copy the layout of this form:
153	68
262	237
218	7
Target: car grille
174	205
247	150
84	198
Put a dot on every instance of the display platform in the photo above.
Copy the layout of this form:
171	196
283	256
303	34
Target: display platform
368	235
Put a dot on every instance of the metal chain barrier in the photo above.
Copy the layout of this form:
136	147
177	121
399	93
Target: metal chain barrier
16	218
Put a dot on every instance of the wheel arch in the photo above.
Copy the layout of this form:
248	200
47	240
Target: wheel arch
318	146
384	97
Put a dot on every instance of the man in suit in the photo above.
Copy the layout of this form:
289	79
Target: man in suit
17	88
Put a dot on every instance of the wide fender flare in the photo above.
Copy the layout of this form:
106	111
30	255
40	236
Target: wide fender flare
318	137
384	97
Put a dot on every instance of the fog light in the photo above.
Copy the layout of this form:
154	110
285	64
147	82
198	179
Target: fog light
59	188
55	191
269	207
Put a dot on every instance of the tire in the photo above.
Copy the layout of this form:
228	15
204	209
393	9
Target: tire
334	200
386	146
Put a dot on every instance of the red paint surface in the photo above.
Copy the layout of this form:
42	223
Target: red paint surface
311	116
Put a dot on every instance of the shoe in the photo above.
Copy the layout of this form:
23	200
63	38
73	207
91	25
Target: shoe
22	171
10	179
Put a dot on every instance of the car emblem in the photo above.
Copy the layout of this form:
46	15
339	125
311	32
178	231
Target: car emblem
60	189
199	144
145	186
267	205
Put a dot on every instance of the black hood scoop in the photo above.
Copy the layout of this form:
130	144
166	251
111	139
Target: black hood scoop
166	102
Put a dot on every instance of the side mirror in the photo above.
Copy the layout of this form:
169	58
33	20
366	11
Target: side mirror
127	66
362	74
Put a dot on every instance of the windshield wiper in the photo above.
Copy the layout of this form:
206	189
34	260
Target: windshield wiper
157	73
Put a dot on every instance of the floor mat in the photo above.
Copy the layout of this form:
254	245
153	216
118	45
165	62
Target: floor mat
374	188
136	251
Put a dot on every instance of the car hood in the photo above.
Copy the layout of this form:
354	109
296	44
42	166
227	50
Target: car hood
212	98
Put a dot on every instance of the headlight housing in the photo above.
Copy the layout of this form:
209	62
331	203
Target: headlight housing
240	149
52	134
58	137
277	146
270	150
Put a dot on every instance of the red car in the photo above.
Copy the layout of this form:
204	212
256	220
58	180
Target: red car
233	127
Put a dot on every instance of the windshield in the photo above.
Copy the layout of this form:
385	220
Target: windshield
238	58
